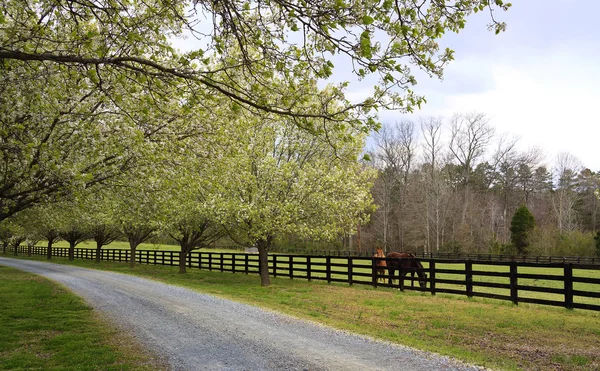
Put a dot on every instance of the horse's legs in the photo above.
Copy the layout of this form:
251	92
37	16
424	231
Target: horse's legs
390	279
401	280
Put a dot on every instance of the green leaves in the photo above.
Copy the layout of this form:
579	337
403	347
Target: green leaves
367	20
365	45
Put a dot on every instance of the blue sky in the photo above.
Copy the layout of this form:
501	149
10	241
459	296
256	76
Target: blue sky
538	81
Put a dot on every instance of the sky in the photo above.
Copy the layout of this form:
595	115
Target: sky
539	81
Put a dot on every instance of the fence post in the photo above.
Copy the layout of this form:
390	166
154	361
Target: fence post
374	272
469	277
308	268
291	266
432	277
328	268
350	268
401	278
246	264
210	261
275	265
569	285
514	292
221	262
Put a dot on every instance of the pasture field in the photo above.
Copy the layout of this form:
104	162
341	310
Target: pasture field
45	327
491	333
362	273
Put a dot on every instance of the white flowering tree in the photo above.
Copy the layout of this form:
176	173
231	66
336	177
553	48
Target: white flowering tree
142	203
273	178
187	219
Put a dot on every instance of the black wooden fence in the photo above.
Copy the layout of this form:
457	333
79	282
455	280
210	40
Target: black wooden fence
452	255
569	285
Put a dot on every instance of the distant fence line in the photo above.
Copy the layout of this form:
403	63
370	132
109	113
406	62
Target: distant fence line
360	270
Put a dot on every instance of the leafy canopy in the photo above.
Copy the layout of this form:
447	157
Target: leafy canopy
131	40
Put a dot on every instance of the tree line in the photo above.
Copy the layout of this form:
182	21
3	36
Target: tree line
452	184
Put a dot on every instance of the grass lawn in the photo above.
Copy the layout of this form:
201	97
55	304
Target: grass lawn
491	333
45	327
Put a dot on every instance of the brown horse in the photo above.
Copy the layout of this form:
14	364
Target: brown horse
405	263
380	264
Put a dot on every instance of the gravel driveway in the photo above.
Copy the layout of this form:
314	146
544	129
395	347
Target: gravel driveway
194	331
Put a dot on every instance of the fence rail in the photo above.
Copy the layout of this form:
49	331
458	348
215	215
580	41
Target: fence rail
564	284
451	255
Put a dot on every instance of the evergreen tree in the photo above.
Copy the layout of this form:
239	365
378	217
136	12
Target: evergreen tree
520	227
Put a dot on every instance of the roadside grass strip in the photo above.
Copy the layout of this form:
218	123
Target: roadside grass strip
486	332
45	327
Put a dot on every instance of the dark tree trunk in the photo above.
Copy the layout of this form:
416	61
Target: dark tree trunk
263	261
52	236
15	246
73	237
132	249
133	245
182	261
72	245
49	250
103	235
135	236
98	250
183	257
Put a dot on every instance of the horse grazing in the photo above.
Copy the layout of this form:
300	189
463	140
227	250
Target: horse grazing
380	264
405	262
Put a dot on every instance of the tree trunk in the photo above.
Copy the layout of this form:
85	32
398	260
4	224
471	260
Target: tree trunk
49	250
133	244
263	262
71	250
183	259
98	251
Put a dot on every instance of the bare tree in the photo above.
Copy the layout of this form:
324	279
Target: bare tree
431	128
470	135
396	148
564	197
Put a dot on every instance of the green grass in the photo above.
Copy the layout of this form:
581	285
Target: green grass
45	327
491	333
